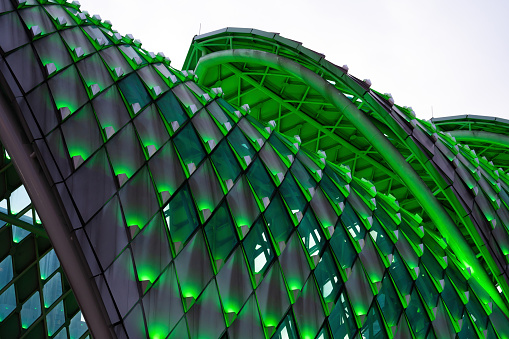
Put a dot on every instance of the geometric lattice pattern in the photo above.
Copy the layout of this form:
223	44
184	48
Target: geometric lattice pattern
36	300
196	220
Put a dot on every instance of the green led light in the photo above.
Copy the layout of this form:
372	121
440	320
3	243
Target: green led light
123	169
158	330
145	272
76	150
63	104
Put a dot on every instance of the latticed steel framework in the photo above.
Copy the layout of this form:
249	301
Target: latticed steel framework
262	193
36	299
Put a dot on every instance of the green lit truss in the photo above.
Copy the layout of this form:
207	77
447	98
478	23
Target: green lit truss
263	192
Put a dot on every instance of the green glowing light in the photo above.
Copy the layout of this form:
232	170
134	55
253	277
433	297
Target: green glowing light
123	169
166	187
158	330
78	150
205	204
63	103
147	273
134	220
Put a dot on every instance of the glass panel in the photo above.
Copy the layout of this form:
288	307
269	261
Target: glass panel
260	181
116	62
111	111
292	196
68	91
151	250
52	290
278	221
19	234
193	269
287	329
94	72
19	199
139	201
48	264
77	42
166	171
417	315
96	35
220	234
153	81
31	310
341	320
136	60
389	302
226	164
248	320
6	272
234	283
242	147
308	310
134	92
328	278
82	135
205	318
206	189
7	302
373	325
187	98
342	247
172	111
273	163
163	316
36	16
125	152
78	326
272	298
258	248
25	67
302	176
55	318
400	274
207	130
181	217
243	205
151	129
295	265
189	148
311	234
352	223
13	32
62	334
220	116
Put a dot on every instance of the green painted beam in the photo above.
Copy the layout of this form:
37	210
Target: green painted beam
481	136
20	223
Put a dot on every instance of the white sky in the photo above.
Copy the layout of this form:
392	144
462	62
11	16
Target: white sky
449	54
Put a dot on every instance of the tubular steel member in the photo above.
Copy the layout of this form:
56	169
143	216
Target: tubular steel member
386	149
481	136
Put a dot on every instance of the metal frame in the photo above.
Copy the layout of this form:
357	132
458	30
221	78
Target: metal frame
386	149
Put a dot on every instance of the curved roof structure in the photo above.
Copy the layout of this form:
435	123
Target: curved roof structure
487	135
263	192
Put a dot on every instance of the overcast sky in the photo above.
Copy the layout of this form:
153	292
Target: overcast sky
450	55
